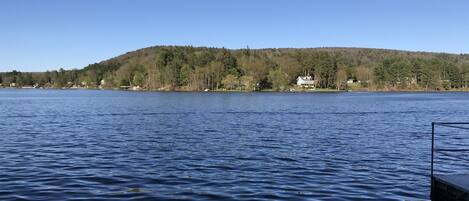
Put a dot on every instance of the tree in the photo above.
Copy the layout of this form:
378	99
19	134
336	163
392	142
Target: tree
258	68
216	69
123	76
230	82
381	74
394	72
363	74
341	81
465	73
184	75
168	66
138	79
290	66
74	76
279	79
48	78
93	77
325	69
247	82
228	61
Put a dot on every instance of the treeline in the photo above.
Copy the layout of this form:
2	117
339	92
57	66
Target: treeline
61	78
191	68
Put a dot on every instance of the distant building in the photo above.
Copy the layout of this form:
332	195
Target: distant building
305	81
12	84
102	83
350	81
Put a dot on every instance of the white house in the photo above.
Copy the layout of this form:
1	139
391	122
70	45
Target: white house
305	81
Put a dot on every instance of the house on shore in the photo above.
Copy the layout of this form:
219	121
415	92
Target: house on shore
305	81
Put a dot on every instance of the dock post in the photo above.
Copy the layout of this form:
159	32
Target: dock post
431	169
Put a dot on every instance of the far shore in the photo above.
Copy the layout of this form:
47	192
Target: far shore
245	91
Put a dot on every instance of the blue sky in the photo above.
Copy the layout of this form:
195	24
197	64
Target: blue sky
50	34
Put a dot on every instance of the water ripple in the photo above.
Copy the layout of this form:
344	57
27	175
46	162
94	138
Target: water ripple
83	145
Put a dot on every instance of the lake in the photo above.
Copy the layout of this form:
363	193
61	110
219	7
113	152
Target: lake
118	145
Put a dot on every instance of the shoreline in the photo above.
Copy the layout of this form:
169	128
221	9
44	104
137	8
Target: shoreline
245	91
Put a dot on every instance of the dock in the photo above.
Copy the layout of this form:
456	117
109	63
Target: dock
449	187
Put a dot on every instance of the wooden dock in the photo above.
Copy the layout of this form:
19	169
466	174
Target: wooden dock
450	187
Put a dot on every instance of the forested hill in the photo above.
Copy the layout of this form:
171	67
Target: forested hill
200	68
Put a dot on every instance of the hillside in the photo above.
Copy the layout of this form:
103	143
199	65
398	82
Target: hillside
200	68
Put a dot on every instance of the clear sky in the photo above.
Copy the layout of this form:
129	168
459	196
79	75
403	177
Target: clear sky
36	35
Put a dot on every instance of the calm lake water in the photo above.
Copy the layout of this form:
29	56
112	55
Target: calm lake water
116	145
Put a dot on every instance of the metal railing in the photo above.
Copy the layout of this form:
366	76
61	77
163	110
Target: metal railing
456	125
